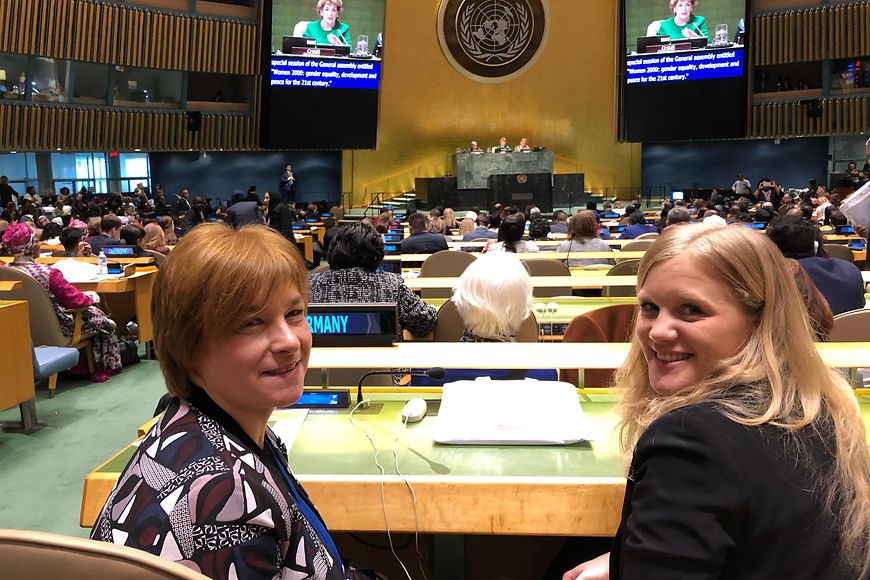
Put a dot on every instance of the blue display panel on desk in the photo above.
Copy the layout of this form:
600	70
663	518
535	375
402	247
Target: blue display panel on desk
352	325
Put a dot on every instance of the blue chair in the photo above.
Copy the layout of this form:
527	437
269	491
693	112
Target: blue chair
50	360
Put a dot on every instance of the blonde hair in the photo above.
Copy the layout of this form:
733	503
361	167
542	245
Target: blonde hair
494	295
154	238
466	226
320	4
778	378
213	276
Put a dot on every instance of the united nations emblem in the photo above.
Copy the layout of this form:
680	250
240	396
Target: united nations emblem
492	40
522	179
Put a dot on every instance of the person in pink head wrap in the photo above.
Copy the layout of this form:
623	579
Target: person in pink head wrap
19	240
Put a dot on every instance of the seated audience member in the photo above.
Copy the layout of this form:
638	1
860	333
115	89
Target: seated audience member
230	353
637	226
435	225
510	234
420	241
330	229
736	215
73	244
837	218
736	428
198	213
385	220
539	228
94	225
711	218
51	234
354	255
821	317
154	239
134	236
821	203
167	224
493	297
246	211
449	219
466	226
475	148
19	240
839	281
481	231
110	234
677	215
583	237
560	225
281	217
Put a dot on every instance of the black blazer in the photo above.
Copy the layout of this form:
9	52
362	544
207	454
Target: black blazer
423	243
710	498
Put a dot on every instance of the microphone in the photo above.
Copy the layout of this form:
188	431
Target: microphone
433	373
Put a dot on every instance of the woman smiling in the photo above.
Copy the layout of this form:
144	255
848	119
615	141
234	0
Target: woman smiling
209	485
749	459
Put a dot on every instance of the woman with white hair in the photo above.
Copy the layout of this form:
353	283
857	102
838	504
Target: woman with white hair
493	297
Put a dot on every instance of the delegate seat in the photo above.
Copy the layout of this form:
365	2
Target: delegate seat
449	326
608	324
444	264
44	556
839	251
548	267
623	268
45	329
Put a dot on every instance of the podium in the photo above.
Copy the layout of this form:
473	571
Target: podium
474	169
523	189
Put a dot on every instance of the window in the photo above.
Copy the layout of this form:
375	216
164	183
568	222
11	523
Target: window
141	87
77	170
134	170
13	75
49	79
20	168
91	85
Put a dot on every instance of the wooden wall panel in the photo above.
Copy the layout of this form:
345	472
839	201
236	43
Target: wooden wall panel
846	116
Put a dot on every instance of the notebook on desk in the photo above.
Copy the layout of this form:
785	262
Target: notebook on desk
528	412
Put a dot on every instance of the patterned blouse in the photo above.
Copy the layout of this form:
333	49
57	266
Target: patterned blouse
358	285
200	492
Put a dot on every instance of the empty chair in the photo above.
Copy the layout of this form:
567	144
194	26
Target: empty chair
323	267
450	326
647	236
48	361
444	264
639	245
852	326
839	251
44	556
548	268
607	324
623	268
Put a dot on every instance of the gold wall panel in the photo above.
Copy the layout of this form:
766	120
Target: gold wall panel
566	102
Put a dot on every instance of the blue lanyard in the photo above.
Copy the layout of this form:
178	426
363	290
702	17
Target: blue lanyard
308	512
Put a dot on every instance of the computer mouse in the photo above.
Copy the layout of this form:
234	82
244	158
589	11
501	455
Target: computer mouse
414	410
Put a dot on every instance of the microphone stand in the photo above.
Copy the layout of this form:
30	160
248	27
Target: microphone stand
433	373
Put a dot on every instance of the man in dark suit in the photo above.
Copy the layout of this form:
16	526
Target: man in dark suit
839	281
110	234
246	211
182	202
420	241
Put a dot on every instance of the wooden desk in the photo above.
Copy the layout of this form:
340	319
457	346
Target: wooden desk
307	246
126	298
567	307
16	360
574	490
458	244
9	285
125	261
579	281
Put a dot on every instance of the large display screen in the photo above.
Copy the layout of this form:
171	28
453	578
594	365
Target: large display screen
684	69
322	74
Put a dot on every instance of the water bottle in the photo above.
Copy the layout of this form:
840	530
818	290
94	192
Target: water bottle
103	263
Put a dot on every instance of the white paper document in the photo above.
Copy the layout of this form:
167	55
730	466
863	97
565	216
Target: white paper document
524	412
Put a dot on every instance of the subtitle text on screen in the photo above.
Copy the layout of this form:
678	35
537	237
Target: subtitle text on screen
676	66
323	73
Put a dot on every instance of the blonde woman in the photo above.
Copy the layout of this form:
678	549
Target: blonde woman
466	226
749	455
449	218
155	239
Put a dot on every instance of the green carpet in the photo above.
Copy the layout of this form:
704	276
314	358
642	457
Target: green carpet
41	475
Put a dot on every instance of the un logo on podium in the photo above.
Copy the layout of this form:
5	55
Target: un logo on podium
492	40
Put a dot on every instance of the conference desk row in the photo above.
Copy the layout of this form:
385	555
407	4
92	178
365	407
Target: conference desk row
571	490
